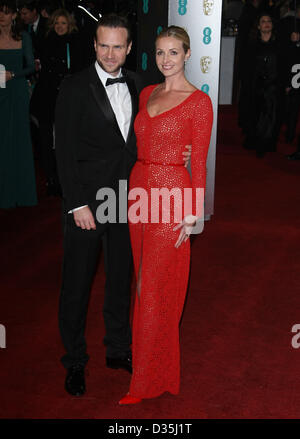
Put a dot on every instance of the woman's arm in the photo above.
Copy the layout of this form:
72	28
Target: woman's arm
28	55
201	131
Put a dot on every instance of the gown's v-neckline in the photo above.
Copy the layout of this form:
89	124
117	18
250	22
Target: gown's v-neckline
167	111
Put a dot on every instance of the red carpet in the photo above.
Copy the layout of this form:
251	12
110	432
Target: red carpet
237	357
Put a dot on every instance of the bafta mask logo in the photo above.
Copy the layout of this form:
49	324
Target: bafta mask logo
208	6
205	63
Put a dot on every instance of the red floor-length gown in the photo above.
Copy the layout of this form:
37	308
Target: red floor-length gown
163	270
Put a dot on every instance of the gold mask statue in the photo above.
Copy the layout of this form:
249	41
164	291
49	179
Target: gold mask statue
208	6
205	63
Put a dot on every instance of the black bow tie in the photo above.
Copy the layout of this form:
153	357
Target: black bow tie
110	81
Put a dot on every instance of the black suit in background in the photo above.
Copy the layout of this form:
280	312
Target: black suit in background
291	55
55	65
38	36
263	97
91	153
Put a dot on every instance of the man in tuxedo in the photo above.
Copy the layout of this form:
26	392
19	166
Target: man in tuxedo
96	147
36	24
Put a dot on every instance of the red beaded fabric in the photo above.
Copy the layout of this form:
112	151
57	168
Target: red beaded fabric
161	269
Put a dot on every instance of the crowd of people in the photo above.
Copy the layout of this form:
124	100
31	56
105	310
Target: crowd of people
41	42
268	46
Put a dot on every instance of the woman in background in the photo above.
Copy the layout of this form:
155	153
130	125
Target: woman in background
61	55
17	176
262	79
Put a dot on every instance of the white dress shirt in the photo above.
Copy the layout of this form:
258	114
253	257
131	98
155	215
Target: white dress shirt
120	100
35	24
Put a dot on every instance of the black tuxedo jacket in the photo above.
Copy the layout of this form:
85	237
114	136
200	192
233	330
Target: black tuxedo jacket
38	37
90	149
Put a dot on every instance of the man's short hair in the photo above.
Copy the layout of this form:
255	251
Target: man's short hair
28	4
114	21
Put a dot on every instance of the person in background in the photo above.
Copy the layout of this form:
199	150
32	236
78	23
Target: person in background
273	8
47	7
62	54
289	23
233	10
263	100
246	22
36	26
289	39
17	176
35	23
87	25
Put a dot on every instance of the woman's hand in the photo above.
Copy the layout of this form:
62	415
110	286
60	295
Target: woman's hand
186	227
187	155
8	76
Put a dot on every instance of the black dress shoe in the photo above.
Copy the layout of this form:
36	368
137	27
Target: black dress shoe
120	363
75	381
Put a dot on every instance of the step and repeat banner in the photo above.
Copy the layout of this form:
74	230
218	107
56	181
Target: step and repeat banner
202	21
152	17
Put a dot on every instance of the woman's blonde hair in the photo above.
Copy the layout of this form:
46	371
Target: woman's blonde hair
176	32
62	13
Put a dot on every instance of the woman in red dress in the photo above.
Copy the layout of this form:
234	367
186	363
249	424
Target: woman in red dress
172	115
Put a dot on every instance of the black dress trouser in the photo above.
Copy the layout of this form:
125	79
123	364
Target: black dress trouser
81	254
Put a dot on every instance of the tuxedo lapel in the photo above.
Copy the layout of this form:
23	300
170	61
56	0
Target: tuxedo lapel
102	100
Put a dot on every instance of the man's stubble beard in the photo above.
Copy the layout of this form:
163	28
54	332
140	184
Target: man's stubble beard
116	69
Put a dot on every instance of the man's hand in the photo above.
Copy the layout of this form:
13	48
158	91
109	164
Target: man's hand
187	155
84	219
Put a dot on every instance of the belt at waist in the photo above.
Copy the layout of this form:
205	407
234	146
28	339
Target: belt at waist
148	162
